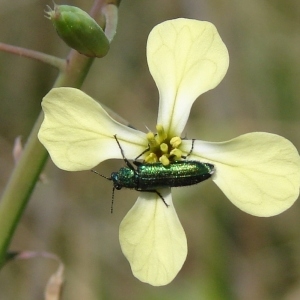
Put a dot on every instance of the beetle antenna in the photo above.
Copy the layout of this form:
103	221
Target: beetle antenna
113	191
112	200
94	171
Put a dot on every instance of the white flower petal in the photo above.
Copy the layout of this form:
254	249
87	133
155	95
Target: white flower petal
186	58
79	134
153	240
259	172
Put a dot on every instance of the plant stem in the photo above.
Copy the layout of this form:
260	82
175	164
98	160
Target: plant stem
32	161
34	156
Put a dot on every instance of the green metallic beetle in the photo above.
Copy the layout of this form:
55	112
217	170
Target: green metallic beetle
148	177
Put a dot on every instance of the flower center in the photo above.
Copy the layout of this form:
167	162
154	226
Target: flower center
163	148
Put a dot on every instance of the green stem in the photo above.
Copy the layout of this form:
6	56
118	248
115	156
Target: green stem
32	161
34	156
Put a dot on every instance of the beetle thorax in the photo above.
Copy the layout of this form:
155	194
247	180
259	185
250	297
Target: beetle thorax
126	177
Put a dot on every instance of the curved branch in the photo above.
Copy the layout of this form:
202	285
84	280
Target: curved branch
42	57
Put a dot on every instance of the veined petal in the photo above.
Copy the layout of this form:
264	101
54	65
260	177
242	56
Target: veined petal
259	172
79	134
186	58
153	240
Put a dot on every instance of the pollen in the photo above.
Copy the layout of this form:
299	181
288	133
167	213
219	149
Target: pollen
162	147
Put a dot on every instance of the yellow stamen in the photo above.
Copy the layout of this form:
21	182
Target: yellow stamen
164	160
152	140
164	148
175	141
176	153
161	134
151	158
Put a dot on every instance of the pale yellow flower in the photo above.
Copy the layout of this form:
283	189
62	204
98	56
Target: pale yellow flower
259	172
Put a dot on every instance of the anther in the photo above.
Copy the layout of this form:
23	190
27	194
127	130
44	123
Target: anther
164	160
164	148
161	134
152	140
176	153
175	141
151	158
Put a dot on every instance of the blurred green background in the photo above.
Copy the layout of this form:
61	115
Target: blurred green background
232	255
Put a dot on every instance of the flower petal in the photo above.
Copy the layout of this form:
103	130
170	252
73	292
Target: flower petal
79	134
153	240
186	58
259	172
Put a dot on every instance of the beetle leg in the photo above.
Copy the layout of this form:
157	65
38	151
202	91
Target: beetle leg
192	148
148	148
156	192
129	165
161	197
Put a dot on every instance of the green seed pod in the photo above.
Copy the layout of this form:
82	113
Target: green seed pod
79	30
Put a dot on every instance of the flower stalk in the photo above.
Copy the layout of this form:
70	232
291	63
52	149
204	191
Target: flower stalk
18	190
27	171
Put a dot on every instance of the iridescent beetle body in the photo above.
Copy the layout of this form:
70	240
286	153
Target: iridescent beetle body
148	177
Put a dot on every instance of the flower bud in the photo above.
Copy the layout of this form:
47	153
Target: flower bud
79	30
